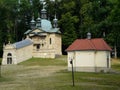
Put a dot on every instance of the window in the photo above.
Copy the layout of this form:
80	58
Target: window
9	54
42	45
38	46
9	58
50	41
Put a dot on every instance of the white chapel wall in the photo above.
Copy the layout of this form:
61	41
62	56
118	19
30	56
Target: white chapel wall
101	58
84	58
89	61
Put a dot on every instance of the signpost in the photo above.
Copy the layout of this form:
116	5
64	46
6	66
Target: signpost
71	62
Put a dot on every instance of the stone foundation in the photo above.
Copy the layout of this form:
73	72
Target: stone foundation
90	69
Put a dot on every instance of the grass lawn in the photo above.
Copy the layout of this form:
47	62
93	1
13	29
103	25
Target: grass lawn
116	64
52	74
61	61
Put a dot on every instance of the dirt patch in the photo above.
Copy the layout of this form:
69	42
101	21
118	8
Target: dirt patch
39	71
22	75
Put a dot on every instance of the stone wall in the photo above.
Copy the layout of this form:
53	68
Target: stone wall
24	53
51	48
17	55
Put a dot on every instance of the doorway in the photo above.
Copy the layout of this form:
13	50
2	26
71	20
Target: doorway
9	58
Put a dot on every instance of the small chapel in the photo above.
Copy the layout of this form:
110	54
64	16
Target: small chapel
43	40
89	55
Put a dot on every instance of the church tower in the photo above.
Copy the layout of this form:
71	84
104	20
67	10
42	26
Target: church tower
45	36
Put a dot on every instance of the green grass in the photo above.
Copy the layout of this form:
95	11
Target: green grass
116	67
116	64
45	62
3	79
52	74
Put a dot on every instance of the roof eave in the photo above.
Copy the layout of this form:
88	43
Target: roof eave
87	50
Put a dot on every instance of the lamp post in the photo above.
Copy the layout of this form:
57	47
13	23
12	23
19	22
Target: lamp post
71	62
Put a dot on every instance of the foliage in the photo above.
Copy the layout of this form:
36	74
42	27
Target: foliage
76	18
69	34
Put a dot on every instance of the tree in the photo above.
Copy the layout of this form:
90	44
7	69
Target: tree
69	32
114	20
76	18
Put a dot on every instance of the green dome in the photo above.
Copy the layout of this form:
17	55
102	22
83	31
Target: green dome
46	25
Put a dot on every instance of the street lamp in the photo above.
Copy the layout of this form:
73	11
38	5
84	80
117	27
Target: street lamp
71	62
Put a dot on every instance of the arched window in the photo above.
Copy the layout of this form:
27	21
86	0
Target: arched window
9	58
9	54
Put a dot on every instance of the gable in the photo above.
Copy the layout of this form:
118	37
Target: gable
9	46
37	31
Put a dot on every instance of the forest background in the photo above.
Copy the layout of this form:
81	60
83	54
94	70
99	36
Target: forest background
76	18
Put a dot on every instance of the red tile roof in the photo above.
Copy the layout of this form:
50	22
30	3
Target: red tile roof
89	44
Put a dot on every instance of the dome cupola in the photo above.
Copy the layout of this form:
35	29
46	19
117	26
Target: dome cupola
55	22
44	12
38	22
32	23
88	35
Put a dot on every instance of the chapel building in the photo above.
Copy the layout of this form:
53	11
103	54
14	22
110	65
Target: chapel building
89	55
43	40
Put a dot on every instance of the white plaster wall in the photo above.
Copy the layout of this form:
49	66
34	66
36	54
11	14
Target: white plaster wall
101	58
90	61
84	58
